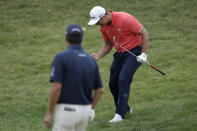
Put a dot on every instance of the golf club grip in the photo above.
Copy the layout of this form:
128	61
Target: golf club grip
157	70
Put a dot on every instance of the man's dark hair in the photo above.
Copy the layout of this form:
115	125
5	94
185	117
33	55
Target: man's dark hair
74	38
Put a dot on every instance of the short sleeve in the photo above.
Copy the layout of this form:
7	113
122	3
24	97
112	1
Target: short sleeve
133	24
56	74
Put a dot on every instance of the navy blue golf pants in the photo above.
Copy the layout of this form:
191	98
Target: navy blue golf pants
121	74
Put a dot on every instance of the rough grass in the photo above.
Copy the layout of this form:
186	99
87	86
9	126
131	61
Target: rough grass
32	32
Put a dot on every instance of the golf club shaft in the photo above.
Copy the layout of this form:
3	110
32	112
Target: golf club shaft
153	67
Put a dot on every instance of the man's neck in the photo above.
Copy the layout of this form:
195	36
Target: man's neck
109	18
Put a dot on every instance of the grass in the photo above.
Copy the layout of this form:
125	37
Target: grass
32	32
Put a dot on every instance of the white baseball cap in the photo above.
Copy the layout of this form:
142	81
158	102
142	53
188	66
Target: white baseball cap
95	14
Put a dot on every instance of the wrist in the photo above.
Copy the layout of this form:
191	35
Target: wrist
49	112
97	57
143	53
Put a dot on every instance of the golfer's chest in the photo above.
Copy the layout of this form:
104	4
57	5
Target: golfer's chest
117	31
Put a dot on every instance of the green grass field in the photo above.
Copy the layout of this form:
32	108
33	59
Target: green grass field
32	32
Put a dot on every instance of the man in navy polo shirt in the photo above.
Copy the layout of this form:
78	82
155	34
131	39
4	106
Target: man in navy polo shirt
74	76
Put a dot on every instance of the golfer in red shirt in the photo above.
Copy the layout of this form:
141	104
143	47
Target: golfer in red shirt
130	35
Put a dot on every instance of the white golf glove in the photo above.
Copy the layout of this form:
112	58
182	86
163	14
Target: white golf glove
142	58
91	115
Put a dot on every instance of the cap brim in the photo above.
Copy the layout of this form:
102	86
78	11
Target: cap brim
93	21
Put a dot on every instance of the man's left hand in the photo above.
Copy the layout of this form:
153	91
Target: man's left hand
142	58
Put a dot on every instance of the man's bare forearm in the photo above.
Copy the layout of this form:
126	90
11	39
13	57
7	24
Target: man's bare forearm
54	95
144	35
106	48
97	96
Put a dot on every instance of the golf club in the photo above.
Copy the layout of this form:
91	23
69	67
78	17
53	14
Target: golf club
136	57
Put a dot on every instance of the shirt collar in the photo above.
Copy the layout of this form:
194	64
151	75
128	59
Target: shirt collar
113	17
77	47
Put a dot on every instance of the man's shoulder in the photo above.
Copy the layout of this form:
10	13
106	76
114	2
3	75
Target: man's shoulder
70	53
61	54
87	55
120	15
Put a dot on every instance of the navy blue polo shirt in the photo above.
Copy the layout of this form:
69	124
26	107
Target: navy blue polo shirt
78	73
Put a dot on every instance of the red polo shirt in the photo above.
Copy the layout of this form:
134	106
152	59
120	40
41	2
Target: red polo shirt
125	28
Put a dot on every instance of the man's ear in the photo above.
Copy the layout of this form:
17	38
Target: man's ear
66	41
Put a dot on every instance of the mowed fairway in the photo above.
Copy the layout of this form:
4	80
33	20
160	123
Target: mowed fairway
32	32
